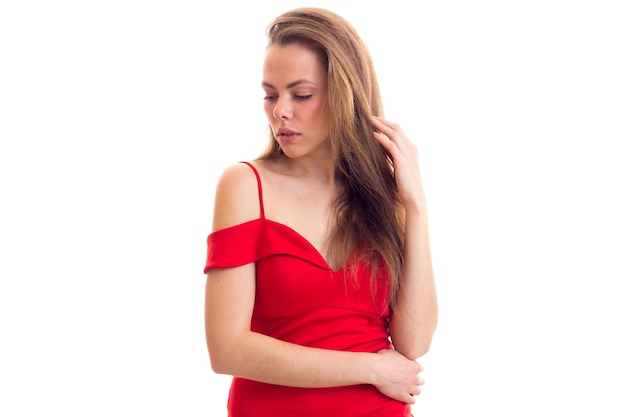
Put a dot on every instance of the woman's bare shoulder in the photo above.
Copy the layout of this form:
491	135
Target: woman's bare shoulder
236	197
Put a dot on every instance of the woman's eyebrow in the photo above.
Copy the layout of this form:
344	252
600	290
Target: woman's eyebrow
290	85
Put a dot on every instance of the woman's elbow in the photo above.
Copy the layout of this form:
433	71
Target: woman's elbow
218	366
221	362
414	345
415	352
220	356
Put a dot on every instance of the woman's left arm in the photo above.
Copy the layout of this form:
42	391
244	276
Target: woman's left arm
414	319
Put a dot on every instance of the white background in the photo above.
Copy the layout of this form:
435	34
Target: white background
117	117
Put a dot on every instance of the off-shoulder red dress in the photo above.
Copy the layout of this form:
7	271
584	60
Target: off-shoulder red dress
300	299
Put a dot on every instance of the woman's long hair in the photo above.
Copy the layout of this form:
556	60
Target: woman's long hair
368	210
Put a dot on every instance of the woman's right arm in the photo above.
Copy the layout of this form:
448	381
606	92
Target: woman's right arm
236	350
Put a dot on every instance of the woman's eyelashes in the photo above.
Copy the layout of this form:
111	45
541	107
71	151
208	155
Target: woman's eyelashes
301	97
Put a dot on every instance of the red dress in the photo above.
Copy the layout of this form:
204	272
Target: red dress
300	299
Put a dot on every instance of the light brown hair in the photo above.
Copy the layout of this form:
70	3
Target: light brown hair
368	210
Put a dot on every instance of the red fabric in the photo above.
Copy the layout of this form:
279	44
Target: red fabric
300	299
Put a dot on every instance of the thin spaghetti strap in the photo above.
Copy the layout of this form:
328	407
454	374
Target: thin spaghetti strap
258	180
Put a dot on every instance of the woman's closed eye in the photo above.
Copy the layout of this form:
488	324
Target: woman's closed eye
301	97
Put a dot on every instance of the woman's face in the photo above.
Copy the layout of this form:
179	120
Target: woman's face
295	93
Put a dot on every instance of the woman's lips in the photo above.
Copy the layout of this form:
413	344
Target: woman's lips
286	135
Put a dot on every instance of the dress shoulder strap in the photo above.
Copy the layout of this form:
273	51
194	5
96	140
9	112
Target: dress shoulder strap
258	180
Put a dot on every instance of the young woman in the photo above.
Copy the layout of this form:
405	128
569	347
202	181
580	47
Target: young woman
320	293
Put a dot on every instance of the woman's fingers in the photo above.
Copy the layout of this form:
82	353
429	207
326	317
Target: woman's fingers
404	155
392	131
399	377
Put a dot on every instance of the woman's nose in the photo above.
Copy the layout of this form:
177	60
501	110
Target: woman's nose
282	109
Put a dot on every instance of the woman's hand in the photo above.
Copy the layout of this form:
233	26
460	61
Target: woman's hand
398	377
405	159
